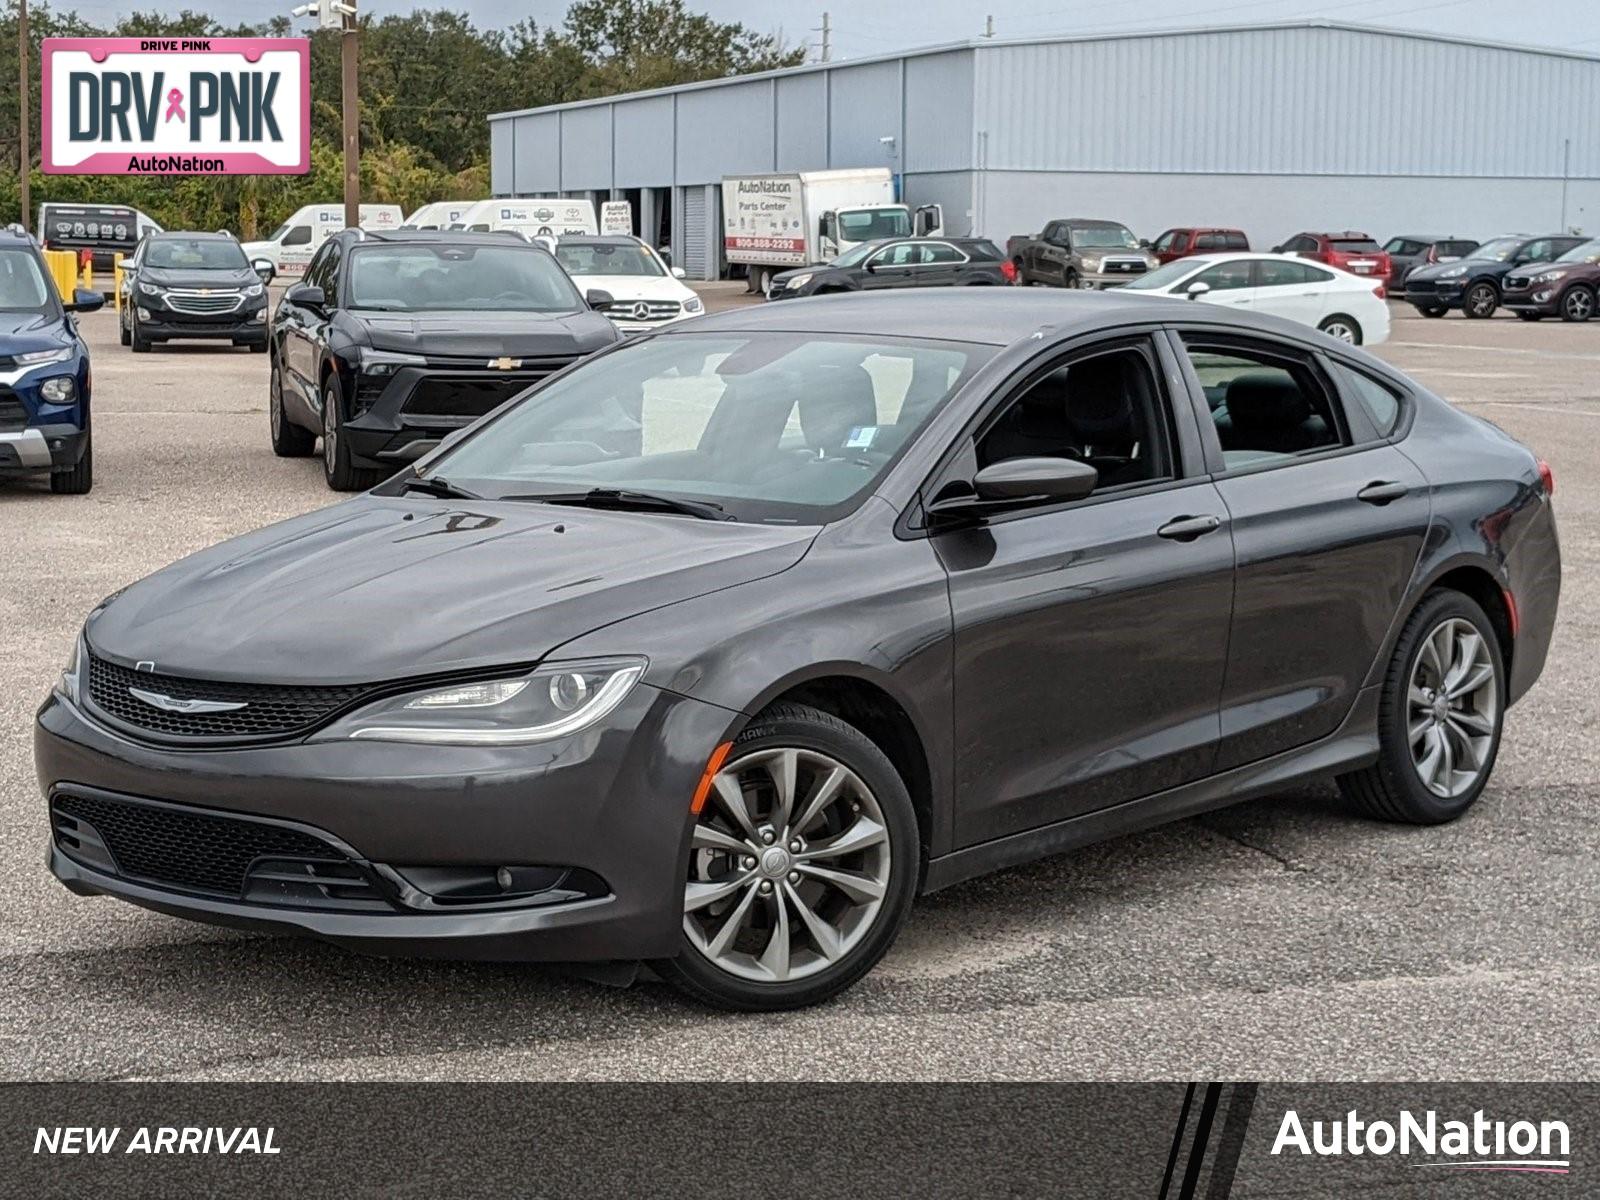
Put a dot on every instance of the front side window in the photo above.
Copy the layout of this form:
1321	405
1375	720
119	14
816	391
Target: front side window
905	254
1225	277
1104	410
22	284
1167	276
1498	250
777	427
195	254
503	278
300	235
868	223
1267	406
1585	252
1166	241
607	258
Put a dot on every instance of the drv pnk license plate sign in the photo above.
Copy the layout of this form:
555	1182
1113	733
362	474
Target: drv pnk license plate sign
177	106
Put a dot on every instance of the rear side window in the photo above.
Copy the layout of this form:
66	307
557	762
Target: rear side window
1381	402
1454	249
984	252
1267	407
940	254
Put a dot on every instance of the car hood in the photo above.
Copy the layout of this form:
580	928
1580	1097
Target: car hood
173	277
23	332
483	334
379	588
635	287
1475	266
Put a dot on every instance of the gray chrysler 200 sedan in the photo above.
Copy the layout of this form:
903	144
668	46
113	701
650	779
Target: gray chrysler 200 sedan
712	651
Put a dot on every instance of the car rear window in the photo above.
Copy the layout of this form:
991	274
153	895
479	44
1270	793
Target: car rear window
983	251
1359	243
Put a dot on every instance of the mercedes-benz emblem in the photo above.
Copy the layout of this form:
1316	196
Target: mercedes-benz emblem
641	311
174	704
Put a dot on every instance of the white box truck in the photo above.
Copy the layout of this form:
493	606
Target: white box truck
290	246
773	222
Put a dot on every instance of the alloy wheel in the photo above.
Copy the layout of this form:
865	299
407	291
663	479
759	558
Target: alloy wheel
1482	300
1453	707
789	866
1579	305
275	402
1340	330
330	430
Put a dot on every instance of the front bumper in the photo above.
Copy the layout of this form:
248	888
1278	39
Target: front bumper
248	324
1101	280
1542	298
1435	293
42	448
611	804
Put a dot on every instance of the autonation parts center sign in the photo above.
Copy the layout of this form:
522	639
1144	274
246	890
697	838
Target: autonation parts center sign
177	106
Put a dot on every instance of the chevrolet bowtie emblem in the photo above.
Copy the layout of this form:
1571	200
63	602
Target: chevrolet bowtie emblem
504	364
173	704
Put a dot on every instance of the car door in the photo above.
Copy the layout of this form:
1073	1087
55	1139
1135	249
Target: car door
1053	251
1327	520
892	266
1295	291
1090	636
301	326
942	265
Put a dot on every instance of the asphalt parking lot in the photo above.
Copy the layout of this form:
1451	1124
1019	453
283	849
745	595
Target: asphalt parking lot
1285	938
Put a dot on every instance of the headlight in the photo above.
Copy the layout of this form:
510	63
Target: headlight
556	700
67	685
384	362
1452	273
149	289
1550	276
798	281
1092	264
693	305
255	289
43	358
60	389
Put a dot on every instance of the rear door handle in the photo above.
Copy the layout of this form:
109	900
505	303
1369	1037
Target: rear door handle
1381	492
1186	529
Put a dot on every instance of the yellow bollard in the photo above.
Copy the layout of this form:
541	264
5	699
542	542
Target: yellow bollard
63	266
116	284
86	280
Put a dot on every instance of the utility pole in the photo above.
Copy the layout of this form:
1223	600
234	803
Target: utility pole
24	133
826	30
336	14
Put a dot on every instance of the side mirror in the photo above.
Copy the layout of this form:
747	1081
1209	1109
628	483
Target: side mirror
1144	243
1033	478
83	300
596	298
305	295
679	273
1197	289
264	269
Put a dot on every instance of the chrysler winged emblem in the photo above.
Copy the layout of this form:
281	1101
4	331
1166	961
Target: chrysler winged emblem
173	704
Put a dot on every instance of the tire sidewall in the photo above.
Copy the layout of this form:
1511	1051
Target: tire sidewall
1394	756
1467	305
1567	299
852	748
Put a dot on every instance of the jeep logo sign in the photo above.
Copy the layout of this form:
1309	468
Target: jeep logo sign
177	106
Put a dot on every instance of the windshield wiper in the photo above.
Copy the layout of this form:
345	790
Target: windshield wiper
437	485
619	498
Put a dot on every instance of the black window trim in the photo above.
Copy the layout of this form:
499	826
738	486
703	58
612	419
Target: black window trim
1351	436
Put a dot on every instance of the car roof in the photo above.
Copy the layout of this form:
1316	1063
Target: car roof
192	235
598	239
990	316
452	236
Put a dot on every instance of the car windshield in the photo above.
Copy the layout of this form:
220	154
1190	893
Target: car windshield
22	284
867	223
1588	252
1102	237
195	254
1498	250
508	278
1162	277
607	258
779	427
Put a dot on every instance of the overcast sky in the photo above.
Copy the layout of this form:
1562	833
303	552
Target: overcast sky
863	27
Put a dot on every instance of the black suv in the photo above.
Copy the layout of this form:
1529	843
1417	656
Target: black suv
899	263
194	285
1475	283
394	340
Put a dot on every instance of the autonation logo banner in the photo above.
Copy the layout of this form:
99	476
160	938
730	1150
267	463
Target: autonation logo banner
177	106
1470	1142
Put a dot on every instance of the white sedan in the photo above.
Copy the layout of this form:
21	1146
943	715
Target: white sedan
645	293
1340	304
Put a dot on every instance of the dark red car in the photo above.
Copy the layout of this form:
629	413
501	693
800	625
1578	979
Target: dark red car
1349	251
1180	243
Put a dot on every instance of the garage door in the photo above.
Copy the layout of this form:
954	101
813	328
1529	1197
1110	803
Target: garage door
696	248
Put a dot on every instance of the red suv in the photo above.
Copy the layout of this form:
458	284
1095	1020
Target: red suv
1180	243
1349	251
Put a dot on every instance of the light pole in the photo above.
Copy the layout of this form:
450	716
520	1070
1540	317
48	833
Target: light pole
335	14
24	133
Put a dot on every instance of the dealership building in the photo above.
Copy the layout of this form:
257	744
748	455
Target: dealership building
1269	128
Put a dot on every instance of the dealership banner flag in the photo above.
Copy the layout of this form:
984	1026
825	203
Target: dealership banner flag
176	106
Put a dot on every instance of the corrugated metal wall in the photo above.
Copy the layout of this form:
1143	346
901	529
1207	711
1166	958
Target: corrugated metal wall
1293	101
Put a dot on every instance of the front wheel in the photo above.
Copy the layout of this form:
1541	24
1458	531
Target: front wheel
342	474
140	343
1481	301
1346	329
78	480
802	866
1431	310
1439	716
1577	304
288	439
1071	280
122	325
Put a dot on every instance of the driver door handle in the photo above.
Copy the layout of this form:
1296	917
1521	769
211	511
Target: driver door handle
1382	492
1186	529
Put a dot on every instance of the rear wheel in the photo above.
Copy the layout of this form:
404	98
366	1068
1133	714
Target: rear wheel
342	474
1432	310
78	480
1577	304
288	439
801	869
1530	316
1439	716
1346	329
1481	301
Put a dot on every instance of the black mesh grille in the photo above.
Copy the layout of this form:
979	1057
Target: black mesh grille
13	415
465	396
182	848
269	710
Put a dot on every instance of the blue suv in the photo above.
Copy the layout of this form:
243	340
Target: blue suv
44	371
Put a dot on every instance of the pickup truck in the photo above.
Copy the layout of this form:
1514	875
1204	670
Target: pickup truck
1080	253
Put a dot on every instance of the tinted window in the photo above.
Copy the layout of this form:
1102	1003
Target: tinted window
1266	406
1538	251
317	271
502	278
1380	401
190	254
983	251
1210	241
1403	246
1454	249
1275	273
22	283
1104	410
939	253
1235	241
300	235
902	254
1166	240
1358	245
1225	276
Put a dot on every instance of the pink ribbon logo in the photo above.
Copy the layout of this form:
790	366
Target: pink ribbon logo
175	105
